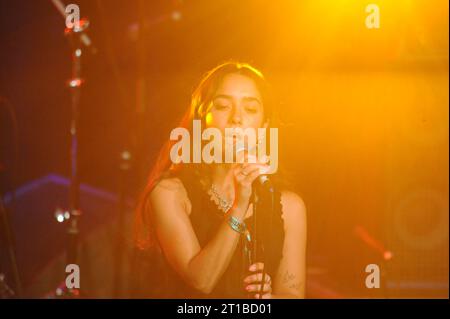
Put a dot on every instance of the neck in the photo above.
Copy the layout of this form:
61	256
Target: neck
222	177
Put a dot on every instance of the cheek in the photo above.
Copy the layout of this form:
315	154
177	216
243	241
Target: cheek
215	119
257	121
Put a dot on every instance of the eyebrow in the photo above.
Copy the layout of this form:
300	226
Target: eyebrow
245	98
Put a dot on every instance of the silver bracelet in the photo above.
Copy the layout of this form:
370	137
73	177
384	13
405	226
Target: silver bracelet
237	225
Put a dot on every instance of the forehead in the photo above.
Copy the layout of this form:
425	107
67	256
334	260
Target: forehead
238	86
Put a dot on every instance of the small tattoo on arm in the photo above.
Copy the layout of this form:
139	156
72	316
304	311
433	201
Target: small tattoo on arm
295	286
288	278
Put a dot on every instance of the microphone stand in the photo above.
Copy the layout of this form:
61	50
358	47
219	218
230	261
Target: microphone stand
75	36
75	85
78	39
258	243
125	165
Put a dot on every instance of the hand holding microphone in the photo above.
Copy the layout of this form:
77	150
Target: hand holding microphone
245	174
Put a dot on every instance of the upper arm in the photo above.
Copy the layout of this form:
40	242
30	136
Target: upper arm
290	277
172	225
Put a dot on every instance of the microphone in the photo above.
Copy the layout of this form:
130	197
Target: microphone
265	182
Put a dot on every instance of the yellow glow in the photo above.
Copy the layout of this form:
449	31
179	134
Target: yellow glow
208	118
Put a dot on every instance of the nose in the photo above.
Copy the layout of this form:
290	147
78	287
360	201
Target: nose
236	116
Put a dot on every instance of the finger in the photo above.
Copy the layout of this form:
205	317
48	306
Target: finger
246	168
242	168
256	266
251	177
246	178
257	278
257	288
260	166
238	174
249	170
239	178
237	168
265	296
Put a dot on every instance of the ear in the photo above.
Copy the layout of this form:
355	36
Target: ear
266	124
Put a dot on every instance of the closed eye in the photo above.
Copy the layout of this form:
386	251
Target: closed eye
221	106
221	102
252	110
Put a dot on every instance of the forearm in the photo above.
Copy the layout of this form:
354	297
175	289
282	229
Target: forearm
210	263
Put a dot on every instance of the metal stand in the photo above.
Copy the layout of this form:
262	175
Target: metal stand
125	166
76	38
257	242
75	85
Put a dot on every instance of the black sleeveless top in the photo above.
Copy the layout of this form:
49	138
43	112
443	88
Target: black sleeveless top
156	278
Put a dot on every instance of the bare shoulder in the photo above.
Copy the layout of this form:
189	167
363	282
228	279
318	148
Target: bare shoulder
170	191
294	209
169	184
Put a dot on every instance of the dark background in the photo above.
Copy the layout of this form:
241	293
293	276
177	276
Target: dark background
359	106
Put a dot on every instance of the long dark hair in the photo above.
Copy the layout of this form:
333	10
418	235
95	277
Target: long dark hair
200	105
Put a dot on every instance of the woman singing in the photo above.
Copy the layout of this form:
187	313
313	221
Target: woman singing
195	224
